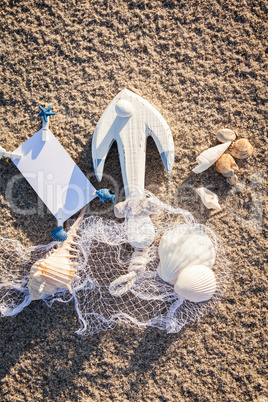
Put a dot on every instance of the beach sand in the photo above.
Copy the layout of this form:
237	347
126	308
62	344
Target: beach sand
203	66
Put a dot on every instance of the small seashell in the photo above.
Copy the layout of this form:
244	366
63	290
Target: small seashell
124	108
181	247
196	283
230	174
226	164
233	180
210	156
209	199
225	135
241	149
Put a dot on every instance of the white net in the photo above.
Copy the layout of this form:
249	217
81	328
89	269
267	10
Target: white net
118	283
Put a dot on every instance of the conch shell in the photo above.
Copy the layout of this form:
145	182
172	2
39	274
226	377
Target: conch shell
209	199
57	269
210	156
196	283
241	149
182	247
226	165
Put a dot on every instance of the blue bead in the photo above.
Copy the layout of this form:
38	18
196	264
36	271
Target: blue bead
58	234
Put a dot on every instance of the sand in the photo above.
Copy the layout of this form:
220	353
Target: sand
203	65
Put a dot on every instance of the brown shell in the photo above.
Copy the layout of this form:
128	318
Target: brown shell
226	164
241	149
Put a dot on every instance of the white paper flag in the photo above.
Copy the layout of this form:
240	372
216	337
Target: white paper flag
53	174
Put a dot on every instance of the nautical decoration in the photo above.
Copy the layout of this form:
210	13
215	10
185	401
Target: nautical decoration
45	113
241	149
226	165
57	269
209	199
117	283
182	247
196	283
210	156
54	176
130	127
225	135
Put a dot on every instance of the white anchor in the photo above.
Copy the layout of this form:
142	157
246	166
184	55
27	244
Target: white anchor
130	120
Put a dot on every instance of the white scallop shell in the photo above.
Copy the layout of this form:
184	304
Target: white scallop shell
210	156
196	283
209	199
124	108
181	247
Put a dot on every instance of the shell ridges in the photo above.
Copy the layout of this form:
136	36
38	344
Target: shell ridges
196	283
57	269
181	247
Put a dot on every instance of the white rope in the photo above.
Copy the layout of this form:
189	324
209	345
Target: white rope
137	266
129	278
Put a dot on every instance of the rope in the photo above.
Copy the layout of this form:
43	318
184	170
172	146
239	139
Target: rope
136	266
115	288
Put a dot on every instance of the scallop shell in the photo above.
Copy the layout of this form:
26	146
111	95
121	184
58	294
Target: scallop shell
124	108
225	135
210	156
241	149
181	247
209	199
57	269
225	164
196	283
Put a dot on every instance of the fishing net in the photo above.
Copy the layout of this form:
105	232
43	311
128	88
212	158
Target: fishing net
118	283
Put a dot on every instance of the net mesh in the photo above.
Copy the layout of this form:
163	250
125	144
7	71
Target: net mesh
118	283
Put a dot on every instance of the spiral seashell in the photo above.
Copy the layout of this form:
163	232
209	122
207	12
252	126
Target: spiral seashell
241	149
57	270
210	156
209	199
181	247
196	283
225	135
226	164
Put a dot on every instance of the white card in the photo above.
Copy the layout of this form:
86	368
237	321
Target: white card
53	174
